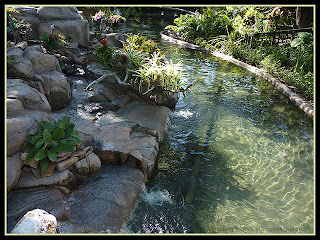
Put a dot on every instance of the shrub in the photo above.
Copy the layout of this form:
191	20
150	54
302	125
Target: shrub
106	55
303	82
134	59
141	43
16	29
304	53
270	63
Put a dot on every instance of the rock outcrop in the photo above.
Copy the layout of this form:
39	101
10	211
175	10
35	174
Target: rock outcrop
91	189
41	71
67	21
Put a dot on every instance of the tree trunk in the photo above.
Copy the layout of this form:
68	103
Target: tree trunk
304	17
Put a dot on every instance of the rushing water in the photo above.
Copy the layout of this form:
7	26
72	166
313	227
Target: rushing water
237	156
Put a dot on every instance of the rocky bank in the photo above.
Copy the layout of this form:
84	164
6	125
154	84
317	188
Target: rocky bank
120	133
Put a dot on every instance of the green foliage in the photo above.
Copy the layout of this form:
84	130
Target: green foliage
141	55
304	54
134	59
229	30
106	55
50	41
210	23
157	73
16	28
141	43
280	61
303	82
270	63
51	138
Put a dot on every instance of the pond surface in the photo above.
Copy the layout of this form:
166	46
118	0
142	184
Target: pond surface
237	156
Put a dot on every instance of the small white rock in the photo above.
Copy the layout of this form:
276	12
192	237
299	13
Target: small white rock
36	221
22	45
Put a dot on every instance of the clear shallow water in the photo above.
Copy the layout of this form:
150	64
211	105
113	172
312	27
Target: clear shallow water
237	156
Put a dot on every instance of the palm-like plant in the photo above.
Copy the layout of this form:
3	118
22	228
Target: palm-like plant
158	73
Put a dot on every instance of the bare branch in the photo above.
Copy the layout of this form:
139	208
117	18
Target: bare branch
103	77
149	90
99	80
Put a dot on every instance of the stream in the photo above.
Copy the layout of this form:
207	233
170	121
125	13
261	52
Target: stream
237	156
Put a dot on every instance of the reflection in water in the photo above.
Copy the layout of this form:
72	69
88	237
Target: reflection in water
237	158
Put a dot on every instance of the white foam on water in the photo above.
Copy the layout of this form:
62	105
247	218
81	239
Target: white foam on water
185	113
156	197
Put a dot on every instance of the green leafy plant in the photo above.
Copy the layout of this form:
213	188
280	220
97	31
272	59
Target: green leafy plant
51	138
304	45
134	59
106	54
50	41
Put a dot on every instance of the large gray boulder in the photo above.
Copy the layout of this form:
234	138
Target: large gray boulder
105	201
21	201
67	21
30	97
17	65
40	61
14	106
57	13
42	70
114	39
25	108
57	88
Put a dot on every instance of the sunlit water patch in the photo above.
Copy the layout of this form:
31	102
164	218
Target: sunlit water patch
237	157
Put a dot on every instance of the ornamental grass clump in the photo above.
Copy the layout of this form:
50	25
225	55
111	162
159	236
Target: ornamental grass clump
133	59
51	138
156	72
